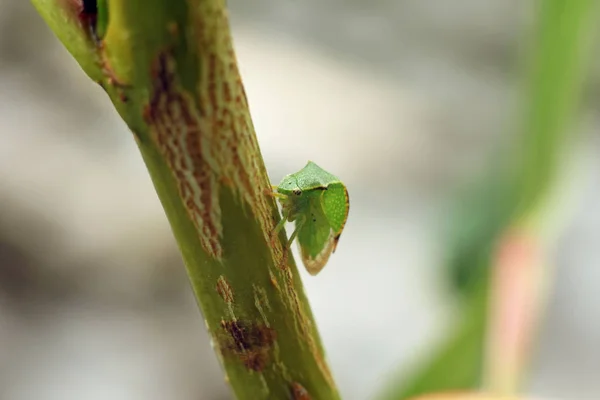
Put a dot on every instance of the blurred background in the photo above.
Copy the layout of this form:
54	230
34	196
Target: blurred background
405	100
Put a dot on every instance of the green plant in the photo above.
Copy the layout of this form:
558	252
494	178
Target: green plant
506	221
170	70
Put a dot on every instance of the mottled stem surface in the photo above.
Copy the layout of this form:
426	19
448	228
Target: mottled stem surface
170	70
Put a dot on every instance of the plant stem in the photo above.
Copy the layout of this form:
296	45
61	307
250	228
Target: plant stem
170	70
521	272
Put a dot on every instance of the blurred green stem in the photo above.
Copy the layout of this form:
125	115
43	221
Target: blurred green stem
170	70
520	271
502	236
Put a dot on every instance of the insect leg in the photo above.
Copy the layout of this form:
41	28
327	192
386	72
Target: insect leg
273	193
280	226
299	222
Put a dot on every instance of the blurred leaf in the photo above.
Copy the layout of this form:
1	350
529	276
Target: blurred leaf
480	215
455	363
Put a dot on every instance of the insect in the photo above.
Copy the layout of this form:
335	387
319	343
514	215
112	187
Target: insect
318	203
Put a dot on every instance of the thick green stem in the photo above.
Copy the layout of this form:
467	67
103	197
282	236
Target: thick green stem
170	70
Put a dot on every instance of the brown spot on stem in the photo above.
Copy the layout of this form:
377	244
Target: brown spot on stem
173	28
178	132
250	342
224	290
283	264
227	149
273	280
299	392
226	92
212	81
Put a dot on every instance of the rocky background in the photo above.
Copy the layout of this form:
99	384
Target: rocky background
405	100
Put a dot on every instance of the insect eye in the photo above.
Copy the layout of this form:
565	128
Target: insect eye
297	192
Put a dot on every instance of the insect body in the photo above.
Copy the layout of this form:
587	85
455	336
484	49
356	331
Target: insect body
318	203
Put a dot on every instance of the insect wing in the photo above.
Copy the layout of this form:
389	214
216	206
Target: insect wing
315	240
336	206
